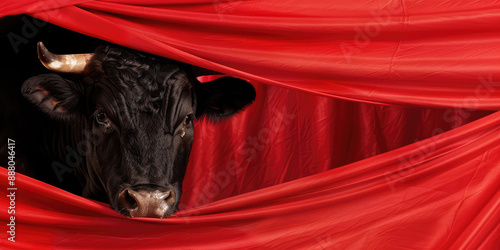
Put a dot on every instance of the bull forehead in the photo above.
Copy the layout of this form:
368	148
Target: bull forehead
144	81
142	110
144	87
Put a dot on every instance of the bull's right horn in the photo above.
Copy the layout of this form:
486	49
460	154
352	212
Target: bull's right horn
71	63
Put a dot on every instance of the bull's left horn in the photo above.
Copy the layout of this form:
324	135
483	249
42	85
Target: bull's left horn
72	63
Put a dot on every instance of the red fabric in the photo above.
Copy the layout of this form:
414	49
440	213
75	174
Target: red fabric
298	170
391	52
439	193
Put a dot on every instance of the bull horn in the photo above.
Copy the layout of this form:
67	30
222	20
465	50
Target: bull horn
72	63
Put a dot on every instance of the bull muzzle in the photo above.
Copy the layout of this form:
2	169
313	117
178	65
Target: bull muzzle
135	202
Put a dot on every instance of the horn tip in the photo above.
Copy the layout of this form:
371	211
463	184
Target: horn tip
42	53
40	47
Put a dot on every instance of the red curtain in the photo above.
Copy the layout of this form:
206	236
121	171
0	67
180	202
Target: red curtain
298	169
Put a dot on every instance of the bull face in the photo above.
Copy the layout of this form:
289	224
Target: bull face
137	113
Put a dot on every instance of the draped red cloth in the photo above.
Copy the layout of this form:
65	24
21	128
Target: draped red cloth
386	163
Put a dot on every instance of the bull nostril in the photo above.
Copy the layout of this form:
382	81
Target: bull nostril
168	200
129	202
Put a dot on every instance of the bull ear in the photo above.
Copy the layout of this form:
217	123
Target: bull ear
54	95
224	97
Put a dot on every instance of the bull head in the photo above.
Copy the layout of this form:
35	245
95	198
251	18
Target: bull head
137	113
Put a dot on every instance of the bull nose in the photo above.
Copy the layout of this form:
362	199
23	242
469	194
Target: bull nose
146	203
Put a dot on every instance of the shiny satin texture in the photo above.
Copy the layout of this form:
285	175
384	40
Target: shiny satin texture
386	52
405	155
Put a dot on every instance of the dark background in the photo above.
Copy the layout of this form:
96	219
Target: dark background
21	120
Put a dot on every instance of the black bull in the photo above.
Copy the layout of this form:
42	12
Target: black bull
126	119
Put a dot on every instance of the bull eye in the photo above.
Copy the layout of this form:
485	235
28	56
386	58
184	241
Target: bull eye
102	118
189	119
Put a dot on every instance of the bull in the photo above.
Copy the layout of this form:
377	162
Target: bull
136	111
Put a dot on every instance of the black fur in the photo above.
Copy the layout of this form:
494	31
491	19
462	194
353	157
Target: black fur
42	90
147	99
223	97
